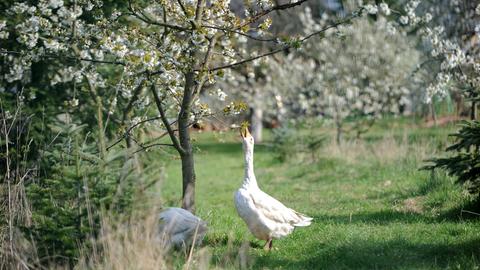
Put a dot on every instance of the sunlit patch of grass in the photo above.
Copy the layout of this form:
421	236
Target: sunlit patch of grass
372	206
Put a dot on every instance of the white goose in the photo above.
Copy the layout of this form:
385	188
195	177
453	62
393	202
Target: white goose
266	217
178	227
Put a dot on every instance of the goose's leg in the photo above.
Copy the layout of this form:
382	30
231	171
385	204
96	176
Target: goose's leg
268	244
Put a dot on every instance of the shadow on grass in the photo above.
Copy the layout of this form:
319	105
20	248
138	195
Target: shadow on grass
380	218
466	211
230	148
225	240
393	254
386	217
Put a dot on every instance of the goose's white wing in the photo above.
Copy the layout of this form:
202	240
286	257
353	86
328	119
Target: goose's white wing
276	211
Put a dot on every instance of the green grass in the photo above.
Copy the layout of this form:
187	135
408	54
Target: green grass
372	209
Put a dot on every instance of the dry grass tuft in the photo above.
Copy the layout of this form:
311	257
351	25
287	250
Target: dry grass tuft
411	205
384	151
133	245
137	245
15	251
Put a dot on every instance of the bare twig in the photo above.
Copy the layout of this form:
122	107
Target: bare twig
182	7
145	147
190	255
250	59
470	212
132	100
129	130
275	39
204	64
144	18
261	14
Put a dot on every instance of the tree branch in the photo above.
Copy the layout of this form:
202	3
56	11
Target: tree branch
250	59
164	119
275	39
267	11
288	46
67	57
182	7
132	100
199	11
127	132
144	18
145	147
206	60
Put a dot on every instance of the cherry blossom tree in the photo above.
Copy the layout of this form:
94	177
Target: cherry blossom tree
450	43
142	56
371	76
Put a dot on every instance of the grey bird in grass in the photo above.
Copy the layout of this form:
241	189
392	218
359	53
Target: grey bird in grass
180	228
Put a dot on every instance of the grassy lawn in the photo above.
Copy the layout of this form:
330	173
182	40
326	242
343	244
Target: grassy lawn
372	207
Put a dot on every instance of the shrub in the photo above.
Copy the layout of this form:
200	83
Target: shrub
67	200
283	142
465	162
288	142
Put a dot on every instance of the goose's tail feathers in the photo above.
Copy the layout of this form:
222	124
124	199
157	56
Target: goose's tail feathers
303	220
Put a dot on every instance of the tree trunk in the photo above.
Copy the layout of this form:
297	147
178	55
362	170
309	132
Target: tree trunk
434	113
257	123
473	113
339	132
188	178
188	168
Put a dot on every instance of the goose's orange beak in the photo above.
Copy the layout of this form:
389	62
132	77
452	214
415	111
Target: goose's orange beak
244	132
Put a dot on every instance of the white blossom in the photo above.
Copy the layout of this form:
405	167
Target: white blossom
385	9
15	73
371	9
55	3
221	95
428	17
52	44
73	102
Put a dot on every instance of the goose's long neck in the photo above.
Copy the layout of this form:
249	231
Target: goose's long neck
249	180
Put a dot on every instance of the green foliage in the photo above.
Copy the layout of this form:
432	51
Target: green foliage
67	203
284	142
288	141
465	162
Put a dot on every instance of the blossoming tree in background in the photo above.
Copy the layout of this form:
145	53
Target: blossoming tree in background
362	75
450	43
356	73
269	86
